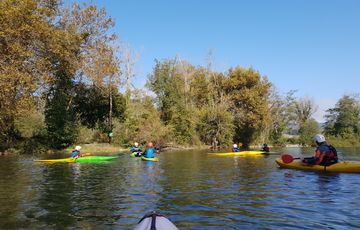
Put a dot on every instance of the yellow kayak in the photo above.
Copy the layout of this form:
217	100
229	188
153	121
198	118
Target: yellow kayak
344	166
239	153
69	159
149	159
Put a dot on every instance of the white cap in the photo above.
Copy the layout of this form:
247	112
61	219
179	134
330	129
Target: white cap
235	145
319	138
136	144
78	147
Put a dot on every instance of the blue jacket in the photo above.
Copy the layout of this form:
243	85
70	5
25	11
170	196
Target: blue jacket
149	153
135	149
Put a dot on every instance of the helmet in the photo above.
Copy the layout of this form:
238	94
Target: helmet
150	144
319	138
235	145
78	148
264	145
136	144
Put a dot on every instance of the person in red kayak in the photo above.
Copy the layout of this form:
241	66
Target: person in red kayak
76	153
325	154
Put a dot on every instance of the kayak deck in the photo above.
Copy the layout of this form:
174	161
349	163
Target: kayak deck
240	153
341	167
80	159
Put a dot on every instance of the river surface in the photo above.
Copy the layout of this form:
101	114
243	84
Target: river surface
192	188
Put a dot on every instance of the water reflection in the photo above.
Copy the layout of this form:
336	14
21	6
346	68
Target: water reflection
196	191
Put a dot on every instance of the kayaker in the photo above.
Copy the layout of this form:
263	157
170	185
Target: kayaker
325	154
76	153
235	148
265	148
136	149
149	151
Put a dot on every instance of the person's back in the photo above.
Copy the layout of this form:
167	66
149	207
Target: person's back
149	152
324	154
76	153
235	148
265	148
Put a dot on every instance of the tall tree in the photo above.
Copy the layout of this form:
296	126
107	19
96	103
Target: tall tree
249	93
26	33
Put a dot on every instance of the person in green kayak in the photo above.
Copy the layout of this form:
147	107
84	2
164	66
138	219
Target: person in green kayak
149	151
235	148
325	154
265	148
76	152
136	149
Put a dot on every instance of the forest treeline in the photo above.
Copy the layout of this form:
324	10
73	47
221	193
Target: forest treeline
62	68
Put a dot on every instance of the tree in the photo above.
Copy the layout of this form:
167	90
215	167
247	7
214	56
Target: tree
307	131
170	82
91	105
26	34
344	119
249	93
304	109
143	122
215	125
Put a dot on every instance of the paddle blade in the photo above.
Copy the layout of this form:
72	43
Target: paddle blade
287	159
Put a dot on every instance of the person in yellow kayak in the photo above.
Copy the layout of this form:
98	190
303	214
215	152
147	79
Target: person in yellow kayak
265	148
325	154
76	152
136	149
235	148
149	151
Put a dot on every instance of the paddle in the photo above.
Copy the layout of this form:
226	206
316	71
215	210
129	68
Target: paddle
287	158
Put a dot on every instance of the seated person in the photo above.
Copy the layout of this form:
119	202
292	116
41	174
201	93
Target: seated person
136	149
324	154
265	148
149	151
76	153
235	148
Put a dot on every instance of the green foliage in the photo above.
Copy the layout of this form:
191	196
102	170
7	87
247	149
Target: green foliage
142	123
170	82
215	124
344	119
60	117
249	94
93	107
307	131
30	125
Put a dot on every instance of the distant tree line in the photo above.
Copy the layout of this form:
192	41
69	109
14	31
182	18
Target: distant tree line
61	70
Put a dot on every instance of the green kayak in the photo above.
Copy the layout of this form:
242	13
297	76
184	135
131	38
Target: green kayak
80	159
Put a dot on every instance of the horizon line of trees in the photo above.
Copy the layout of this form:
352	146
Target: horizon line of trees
60	74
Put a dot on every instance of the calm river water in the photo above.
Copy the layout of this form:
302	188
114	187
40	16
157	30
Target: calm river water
193	189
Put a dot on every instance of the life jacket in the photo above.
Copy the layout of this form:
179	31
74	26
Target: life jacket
135	149
235	149
149	153
75	153
326	155
266	149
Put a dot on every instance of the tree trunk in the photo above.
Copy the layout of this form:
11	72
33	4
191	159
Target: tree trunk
110	116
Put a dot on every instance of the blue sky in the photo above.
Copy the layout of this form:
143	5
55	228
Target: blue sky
312	46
